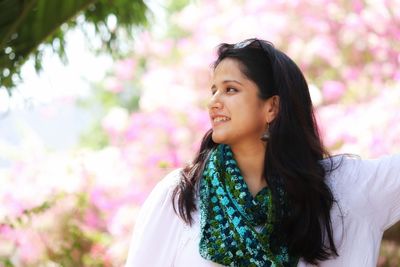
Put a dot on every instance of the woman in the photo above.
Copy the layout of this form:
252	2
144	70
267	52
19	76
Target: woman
262	190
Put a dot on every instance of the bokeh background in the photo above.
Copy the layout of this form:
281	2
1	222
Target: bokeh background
83	144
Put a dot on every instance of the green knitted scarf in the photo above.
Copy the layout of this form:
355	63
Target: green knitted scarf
237	229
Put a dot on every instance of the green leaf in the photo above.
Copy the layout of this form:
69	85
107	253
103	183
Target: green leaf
26	24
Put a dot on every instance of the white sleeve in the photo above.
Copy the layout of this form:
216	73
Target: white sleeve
157	229
380	183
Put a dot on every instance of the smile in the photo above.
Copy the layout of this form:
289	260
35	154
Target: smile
218	119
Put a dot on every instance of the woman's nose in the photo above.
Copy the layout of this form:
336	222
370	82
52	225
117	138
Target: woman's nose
215	102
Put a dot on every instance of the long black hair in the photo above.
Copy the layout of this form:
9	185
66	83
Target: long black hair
292	157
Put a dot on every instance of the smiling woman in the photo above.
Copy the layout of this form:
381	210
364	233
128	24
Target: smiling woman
238	102
239	118
263	190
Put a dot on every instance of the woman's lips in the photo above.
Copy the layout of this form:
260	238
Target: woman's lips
219	120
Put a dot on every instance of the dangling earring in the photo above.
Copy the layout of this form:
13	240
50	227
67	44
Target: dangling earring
266	135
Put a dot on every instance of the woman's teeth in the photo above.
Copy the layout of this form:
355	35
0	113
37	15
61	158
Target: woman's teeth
218	119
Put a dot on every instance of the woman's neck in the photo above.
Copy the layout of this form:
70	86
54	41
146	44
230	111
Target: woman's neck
250	160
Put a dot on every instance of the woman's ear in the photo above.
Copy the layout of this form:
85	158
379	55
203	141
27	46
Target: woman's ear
272	107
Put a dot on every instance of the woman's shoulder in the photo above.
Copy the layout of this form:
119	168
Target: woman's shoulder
157	227
158	203
170	180
164	188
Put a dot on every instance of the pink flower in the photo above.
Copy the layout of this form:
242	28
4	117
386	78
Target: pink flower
333	90
92	219
125	69
30	246
5	229
358	6
112	85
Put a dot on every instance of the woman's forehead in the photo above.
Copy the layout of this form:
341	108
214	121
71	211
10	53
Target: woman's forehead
228	69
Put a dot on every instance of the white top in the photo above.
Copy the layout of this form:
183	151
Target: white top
368	193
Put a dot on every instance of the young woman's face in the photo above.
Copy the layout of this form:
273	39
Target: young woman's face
237	113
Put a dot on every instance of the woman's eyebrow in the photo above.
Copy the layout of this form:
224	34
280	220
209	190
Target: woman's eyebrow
235	81
228	81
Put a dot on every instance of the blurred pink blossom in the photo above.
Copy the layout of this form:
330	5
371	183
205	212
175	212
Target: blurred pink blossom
30	247
125	69
113	85
333	90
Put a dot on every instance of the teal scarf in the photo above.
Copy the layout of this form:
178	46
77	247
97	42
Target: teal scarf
237	228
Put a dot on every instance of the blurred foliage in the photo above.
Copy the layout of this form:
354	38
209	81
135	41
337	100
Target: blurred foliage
80	246
393	234
176	5
94	137
389	255
26	24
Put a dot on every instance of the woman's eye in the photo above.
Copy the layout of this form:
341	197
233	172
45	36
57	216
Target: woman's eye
228	90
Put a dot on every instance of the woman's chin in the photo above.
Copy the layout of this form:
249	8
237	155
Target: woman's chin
220	139
217	138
